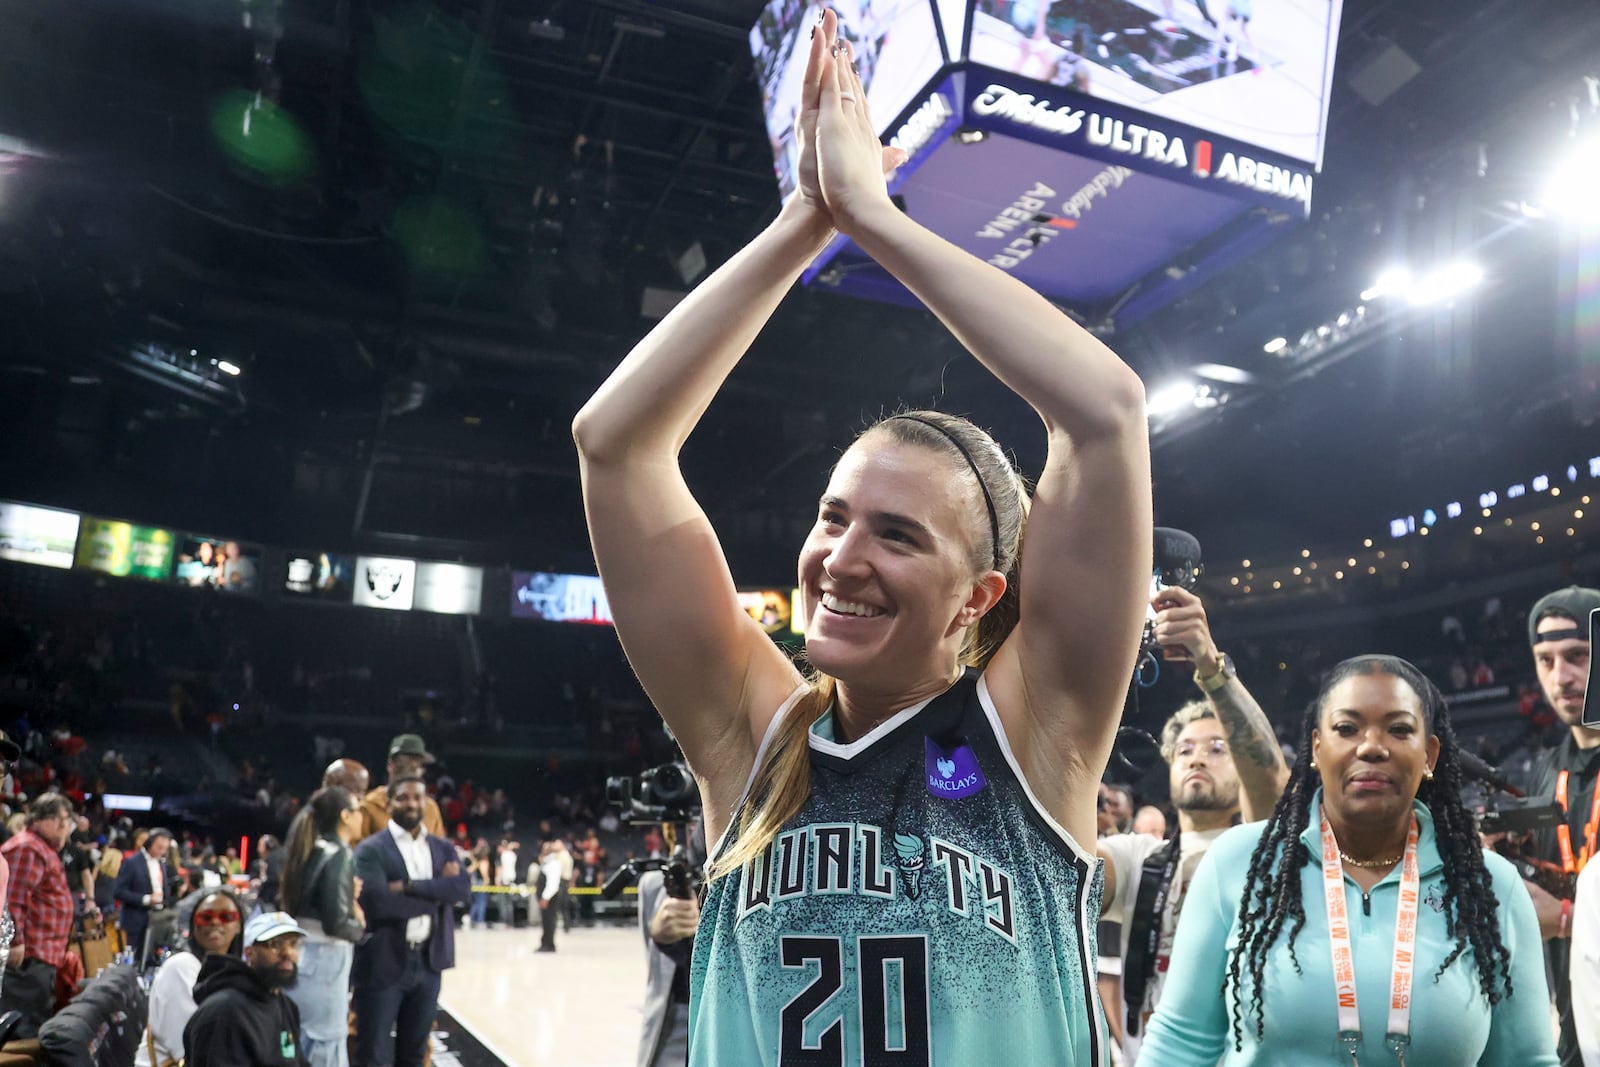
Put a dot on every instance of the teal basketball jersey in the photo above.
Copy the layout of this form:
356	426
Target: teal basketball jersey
922	910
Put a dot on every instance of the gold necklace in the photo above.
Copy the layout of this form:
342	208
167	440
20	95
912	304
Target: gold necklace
1369	864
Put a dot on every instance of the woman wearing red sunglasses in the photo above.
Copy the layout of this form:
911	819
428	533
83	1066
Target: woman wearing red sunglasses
214	926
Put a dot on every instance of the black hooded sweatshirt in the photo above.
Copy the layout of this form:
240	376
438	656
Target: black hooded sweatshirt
239	1022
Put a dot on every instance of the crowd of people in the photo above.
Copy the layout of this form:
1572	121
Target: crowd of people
911	835
959	726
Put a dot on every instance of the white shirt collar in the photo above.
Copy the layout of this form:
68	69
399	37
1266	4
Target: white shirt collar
404	837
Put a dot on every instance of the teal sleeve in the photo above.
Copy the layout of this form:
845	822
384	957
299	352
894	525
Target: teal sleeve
1519	1026
1190	1025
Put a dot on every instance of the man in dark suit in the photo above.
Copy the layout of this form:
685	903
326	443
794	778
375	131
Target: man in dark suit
410	883
145	884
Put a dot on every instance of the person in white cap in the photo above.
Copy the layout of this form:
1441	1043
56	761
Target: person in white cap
243	1019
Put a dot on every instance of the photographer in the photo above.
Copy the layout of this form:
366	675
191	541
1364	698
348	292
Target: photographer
1558	630
669	922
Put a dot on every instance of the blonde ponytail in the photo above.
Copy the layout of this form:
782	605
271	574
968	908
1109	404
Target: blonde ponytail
781	785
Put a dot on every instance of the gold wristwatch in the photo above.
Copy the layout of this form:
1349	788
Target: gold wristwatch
1210	683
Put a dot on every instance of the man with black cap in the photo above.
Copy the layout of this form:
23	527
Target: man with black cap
407	758
1558	630
242	1018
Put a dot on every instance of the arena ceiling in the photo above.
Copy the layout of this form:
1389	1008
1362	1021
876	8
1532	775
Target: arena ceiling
454	234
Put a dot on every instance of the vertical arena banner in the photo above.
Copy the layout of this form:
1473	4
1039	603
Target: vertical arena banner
1112	154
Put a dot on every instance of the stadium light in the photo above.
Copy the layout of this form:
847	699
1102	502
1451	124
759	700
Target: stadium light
1445	284
1277	344
1391	281
1171	398
227	368
1569	191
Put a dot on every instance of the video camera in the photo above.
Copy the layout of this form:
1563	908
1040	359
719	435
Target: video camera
669	795
1513	819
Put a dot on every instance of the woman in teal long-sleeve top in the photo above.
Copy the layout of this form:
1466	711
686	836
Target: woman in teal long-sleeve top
1377	776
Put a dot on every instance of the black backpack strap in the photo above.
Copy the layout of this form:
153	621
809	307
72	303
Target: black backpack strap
1144	934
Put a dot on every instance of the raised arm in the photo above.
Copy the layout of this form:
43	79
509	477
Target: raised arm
709	668
1060	679
1181	623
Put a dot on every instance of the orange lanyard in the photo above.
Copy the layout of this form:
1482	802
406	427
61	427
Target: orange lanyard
1398	1035
1574	864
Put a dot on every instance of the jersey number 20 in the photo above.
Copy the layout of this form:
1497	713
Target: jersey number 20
894	1032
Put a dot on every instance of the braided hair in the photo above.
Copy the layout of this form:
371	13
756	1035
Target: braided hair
1272	895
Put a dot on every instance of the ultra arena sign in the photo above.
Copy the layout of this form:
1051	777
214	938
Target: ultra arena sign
1154	148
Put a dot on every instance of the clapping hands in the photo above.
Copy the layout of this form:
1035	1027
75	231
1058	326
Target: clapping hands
842	164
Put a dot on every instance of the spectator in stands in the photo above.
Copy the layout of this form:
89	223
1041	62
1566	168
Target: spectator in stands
1558	630
506	875
482	876
78	861
40	904
320	890
211	923
346	774
105	876
1115	809
407	758
1150	820
242	1018
410	882
266	845
144	884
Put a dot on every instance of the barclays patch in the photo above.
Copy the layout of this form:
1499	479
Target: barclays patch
953	773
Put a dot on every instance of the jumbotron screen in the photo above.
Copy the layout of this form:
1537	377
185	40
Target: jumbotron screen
42	536
1257	72
320	575
559	598
897	50
125	550
217	563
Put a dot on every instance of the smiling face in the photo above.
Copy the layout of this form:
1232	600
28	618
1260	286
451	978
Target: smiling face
1371	747
215	924
887	577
